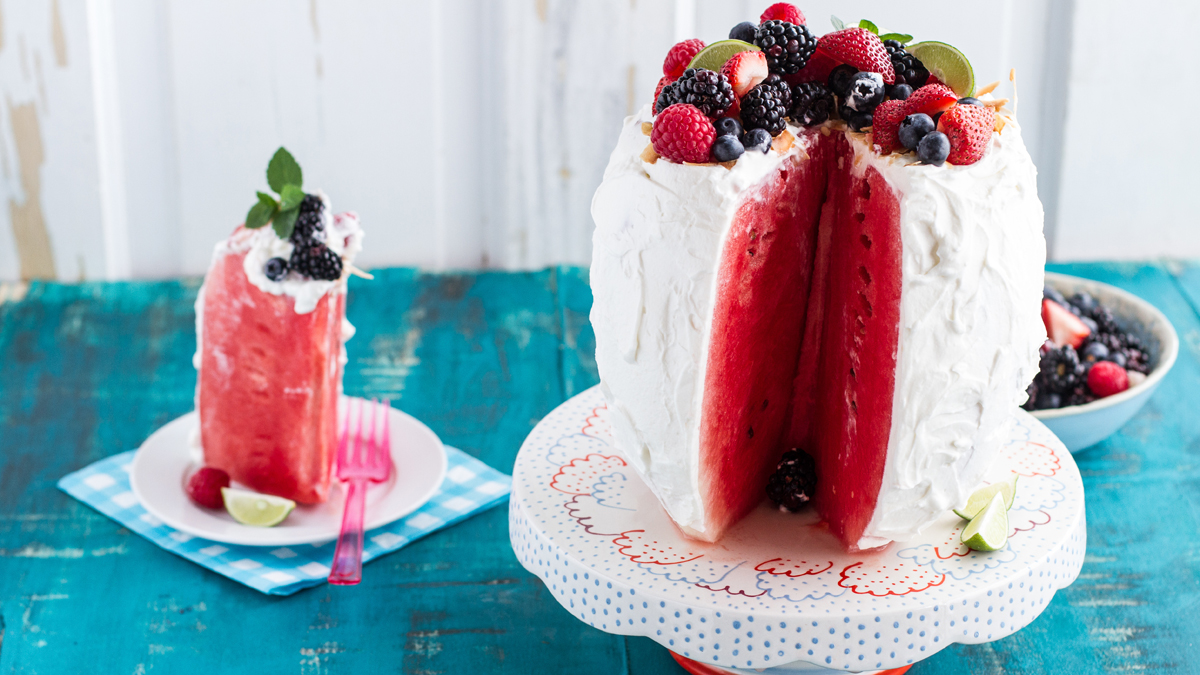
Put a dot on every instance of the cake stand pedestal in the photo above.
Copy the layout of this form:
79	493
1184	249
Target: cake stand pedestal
778	592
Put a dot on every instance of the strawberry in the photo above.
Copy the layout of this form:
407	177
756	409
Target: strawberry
682	133
885	126
860	48
969	128
1063	327
1107	378
662	82
783	11
734	110
818	69
204	487
680	56
930	99
745	70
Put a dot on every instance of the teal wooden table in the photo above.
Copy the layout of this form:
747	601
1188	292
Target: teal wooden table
90	370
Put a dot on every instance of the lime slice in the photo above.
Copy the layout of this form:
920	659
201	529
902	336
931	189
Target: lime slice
252	508
988	531
980	498
946	64
715	55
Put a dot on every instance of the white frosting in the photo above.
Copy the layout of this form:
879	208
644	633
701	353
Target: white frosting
972	277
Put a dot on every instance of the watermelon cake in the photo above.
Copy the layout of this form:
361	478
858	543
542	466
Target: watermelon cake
270	328
822	246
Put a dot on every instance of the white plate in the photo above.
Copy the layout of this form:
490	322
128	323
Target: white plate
163	463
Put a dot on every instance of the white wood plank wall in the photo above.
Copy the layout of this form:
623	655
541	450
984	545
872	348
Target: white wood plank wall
472	133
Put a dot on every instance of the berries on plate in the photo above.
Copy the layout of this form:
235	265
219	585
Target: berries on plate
745	70
1060	369
783	11
766	106
705	89
1107	378
812	103
794	482
787	45
885	126
909	69
204	487
683	133
914	127
1063	327
861	49
969	128
680	56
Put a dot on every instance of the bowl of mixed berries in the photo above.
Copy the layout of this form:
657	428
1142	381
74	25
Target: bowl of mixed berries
1105	353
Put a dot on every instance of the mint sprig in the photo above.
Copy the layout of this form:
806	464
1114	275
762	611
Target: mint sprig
902	38
285	178
869	26
838	24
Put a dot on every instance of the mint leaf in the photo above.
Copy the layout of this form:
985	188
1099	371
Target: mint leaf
292	196
285	222
869	26
261	213
838	24
283	170
898	37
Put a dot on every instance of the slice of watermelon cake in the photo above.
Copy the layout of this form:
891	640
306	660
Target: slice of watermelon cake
876	308
271	327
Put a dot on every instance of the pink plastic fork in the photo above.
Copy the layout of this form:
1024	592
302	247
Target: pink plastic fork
370	460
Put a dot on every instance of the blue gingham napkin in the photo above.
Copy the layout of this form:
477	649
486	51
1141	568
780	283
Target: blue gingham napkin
470	486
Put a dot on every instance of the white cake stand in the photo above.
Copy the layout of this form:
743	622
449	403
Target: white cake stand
778	592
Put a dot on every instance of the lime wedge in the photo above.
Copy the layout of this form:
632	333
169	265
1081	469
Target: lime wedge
946	64
252	508
980	498
988	531
715	55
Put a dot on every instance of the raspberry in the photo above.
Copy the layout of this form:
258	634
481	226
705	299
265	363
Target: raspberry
783	11
680	56
794	481
909	69
683	133
885	125
812	103
316	261
787	46
969	128
204	487
766	106
707	90
860	48
1107	378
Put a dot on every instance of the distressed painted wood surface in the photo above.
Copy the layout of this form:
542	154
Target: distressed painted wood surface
90	370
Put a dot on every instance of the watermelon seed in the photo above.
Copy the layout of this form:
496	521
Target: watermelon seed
866	276
860	217
866	241
751	432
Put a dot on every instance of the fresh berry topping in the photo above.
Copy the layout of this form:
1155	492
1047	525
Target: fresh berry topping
1060	369
766	106
683	133
787	45
728	126
812	103
745	70
915	127
857	121
744	31
860	48
970	100
662	82
1063	327
757	139
1084	302
899	92
1050	293
204	487
885	126
680	56
1048	400
794	482
931	99
707	90
970	130
864	93
735	110
1106	378
783	11
316	261
839	79
666	97
909	69
818	69
275	269
1094	351
934	148
727	148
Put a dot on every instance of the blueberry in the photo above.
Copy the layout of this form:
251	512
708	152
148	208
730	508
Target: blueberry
728	126
1091	325
913	128
899	92
860	121
1084	302
744	31
1053	294
727	148
757	139
839	79
1048	400
934	148
1094	351
865	92
275	269
1118	358
970	100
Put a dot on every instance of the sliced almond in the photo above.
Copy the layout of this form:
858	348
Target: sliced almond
1000	122
359	273
995	104
647	127
783	142
988	89
729	164
649	155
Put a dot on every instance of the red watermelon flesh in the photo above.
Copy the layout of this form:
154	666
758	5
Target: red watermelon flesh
268	385
757	327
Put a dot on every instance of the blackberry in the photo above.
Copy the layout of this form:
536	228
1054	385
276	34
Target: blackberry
766	106
794	482
707	90
839	79
1084	302
909	69
1105	321
666	98
316	261
1061	370
787	46
1031	393
812	103
309	224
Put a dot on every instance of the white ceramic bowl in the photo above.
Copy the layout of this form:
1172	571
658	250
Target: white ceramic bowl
1082	426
